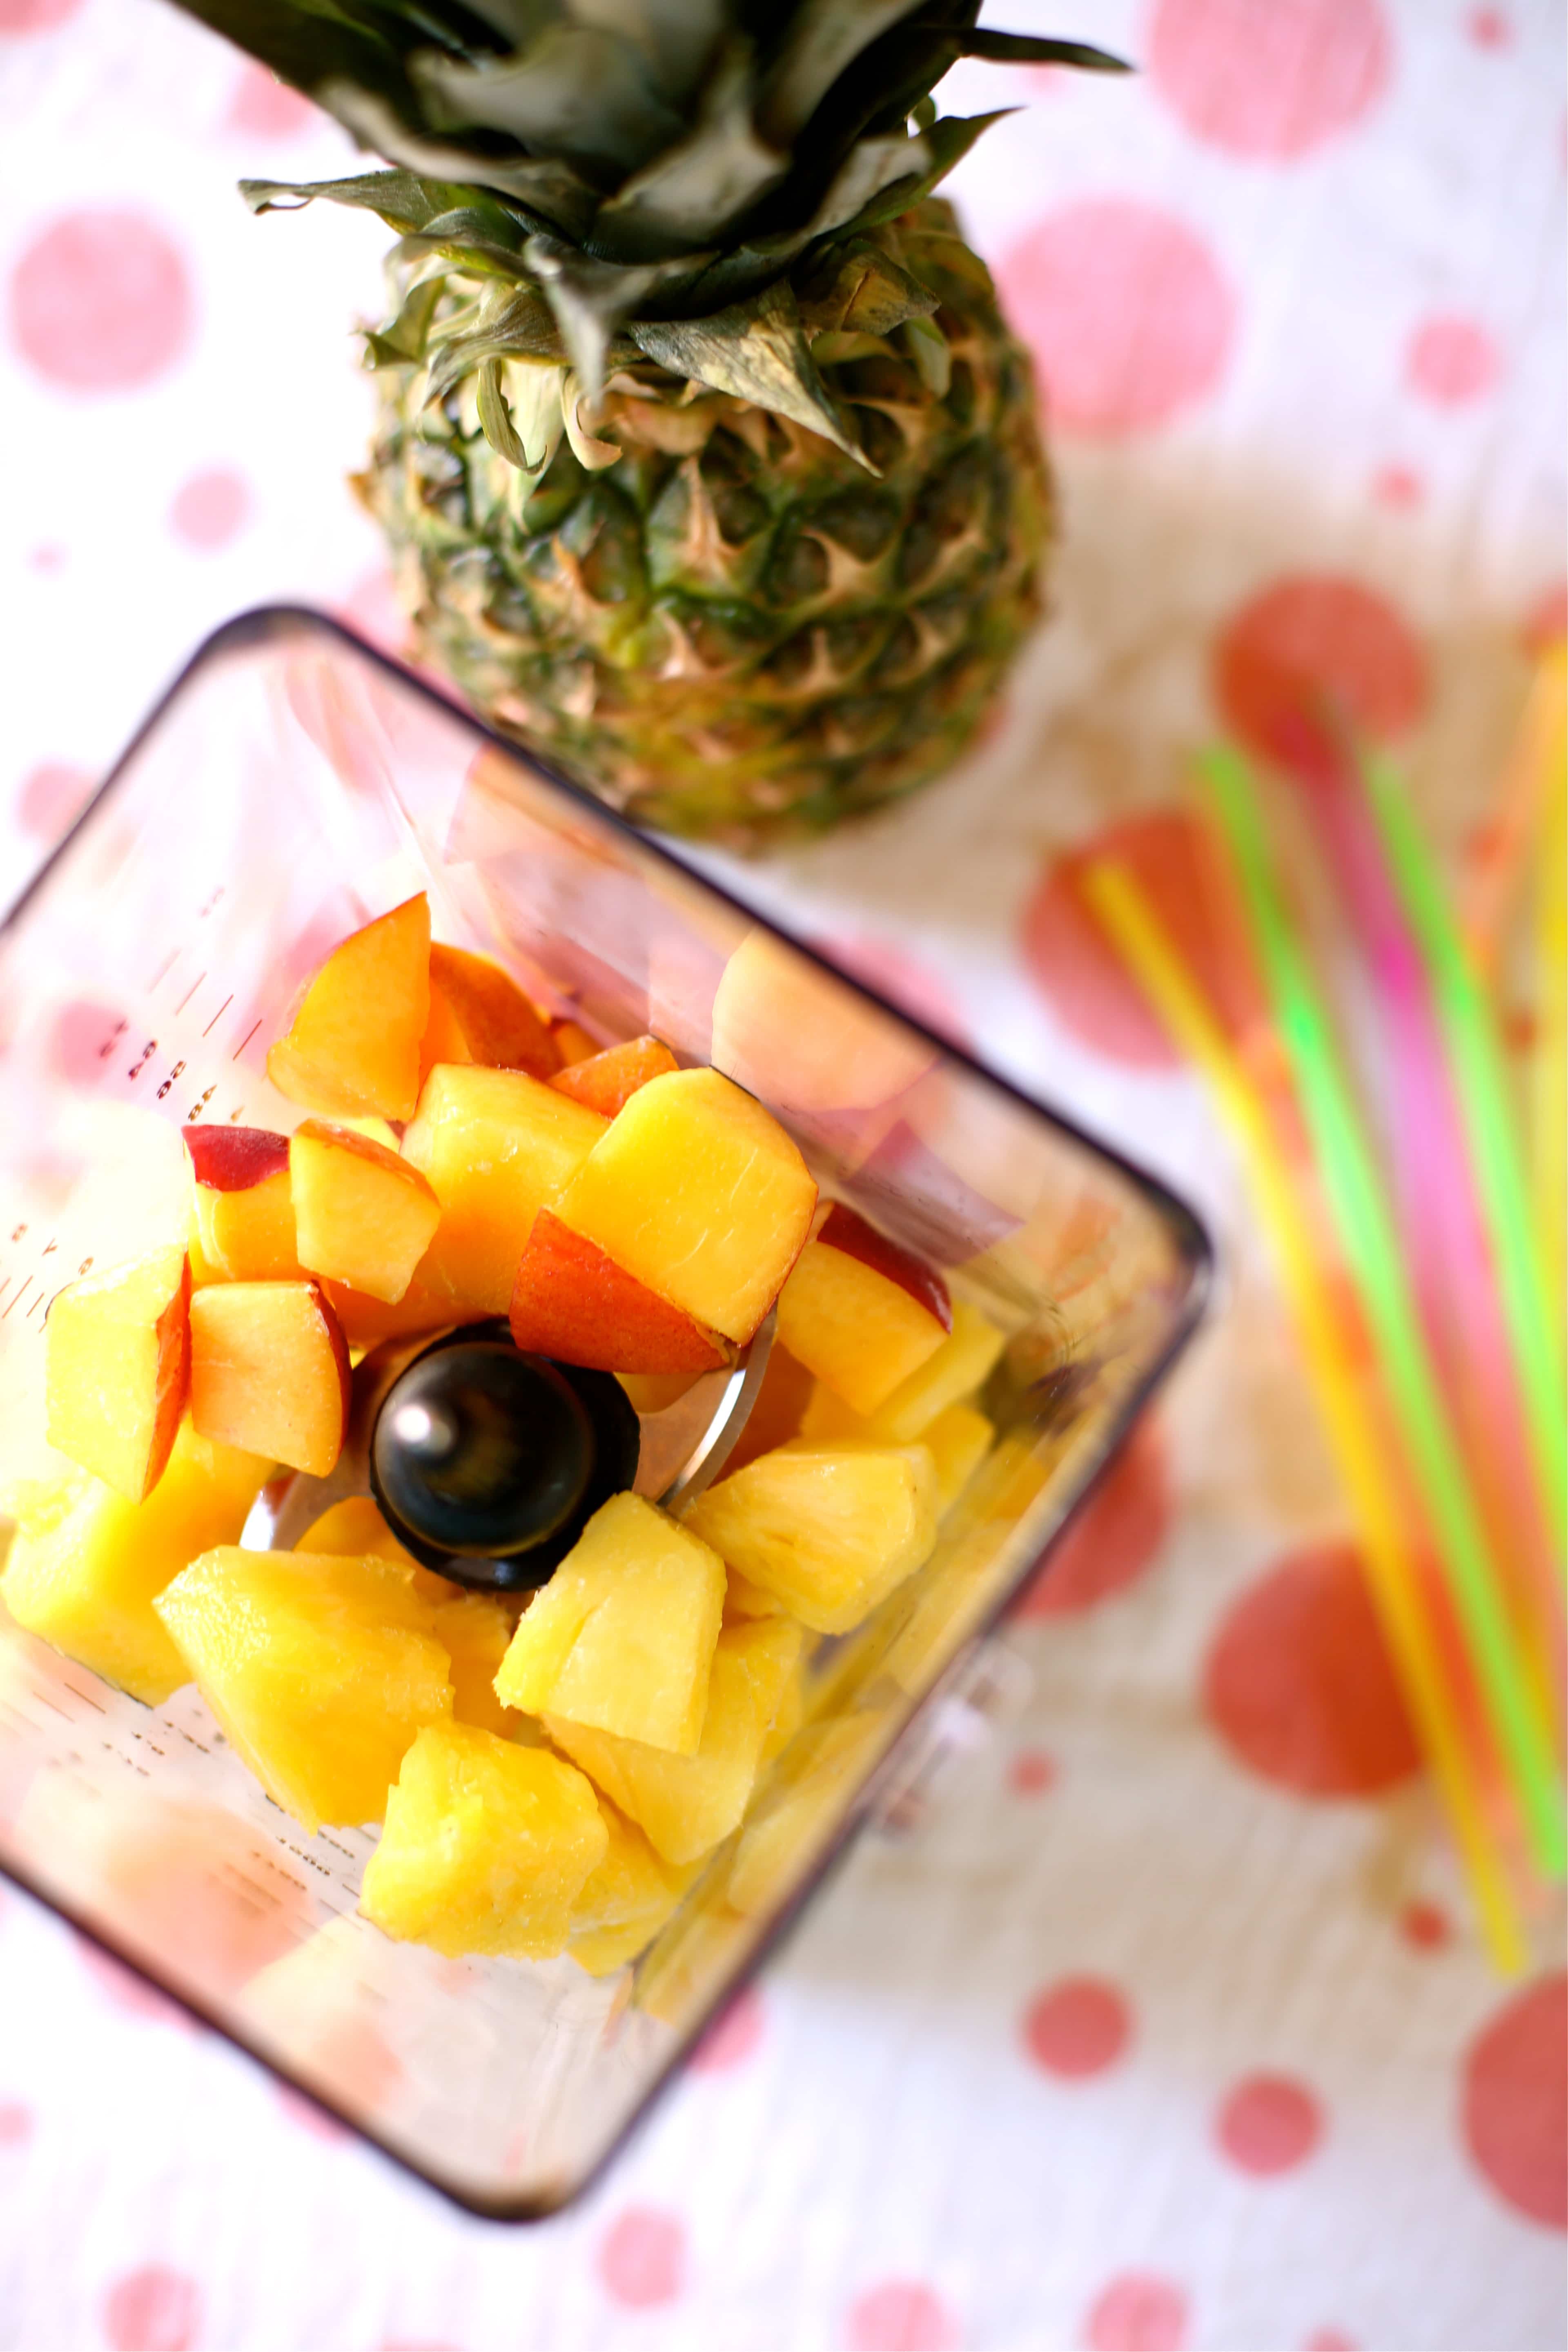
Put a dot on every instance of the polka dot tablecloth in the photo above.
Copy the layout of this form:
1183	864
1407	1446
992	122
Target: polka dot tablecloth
1170	2028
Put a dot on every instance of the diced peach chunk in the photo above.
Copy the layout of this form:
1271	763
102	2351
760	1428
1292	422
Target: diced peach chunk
608	1081
269	1371
487	1847
828	1530
244	1206
496	1147
353	1045
687	1803
861	1313
622	1636
573	1043
697	1190
85	1566
117	1368
362	1213
322	1671
573	1302
425	1306
482	1007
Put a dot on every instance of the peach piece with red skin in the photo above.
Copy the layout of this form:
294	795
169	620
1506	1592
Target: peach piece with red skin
846	1229
362	1213
353	1044
608	1080
270	1373
117	1368
244	1206
571	1301
498	1024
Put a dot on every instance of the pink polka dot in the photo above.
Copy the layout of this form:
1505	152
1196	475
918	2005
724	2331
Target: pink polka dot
642	2258
1330	2339
900	2316
1316	651
15	2122
1269	2125
100	302
52	796
1077	2027
1425	1928
47	558
1118	1533
210	509
1127	312
1271	79
1137	2312
1450	361
1516	2102
153	2310
85	1036
265	108
1490	29
131	1994
372	608
34	16
1070	958
1299	1686
1031	1773
733	2037
1398	486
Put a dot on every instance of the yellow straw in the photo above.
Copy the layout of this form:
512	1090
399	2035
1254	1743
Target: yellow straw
1331	1352
1548	1105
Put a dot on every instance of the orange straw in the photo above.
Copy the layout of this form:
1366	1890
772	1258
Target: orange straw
1331	1348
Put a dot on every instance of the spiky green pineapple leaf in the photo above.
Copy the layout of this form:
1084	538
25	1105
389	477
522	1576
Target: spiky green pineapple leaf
1032	49
758	352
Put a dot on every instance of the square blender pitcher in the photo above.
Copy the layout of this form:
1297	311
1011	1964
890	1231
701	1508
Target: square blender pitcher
291	787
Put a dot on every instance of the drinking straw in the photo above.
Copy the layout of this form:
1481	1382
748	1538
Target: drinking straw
1330	1351
1524	1272
1534	760
1550	1092
1368	1236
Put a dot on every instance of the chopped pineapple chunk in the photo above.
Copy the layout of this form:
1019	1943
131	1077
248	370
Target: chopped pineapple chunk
828	1530
488	1847
621	1638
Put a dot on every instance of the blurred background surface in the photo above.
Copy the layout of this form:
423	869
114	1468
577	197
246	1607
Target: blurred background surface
1170	2028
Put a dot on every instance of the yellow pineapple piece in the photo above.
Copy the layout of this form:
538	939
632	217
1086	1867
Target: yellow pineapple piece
810	1794
321	1671
828	1530
86	1566
959	1439
744	1600
626	1902
962	1362
487	1848
687	1803
622	1637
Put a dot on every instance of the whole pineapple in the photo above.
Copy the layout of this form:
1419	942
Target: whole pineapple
710	466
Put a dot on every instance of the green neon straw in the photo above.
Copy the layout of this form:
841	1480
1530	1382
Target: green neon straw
1478	1065
1369	1237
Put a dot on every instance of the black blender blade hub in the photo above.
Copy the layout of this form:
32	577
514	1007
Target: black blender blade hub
488	1462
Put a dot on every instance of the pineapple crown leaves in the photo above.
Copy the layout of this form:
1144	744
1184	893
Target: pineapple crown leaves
624	179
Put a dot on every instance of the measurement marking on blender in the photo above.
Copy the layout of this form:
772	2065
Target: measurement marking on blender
7	1316
164	968
217	1016
189	994
245	1041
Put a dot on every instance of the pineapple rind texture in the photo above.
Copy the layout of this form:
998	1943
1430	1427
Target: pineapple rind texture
731	628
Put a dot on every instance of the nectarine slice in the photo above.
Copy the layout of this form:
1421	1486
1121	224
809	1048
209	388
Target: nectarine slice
860	1312
245	1209
697	1190
117	1361
269	1371
608	1081
496	1147
353	1045
362	1213
484	1005
570	1301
